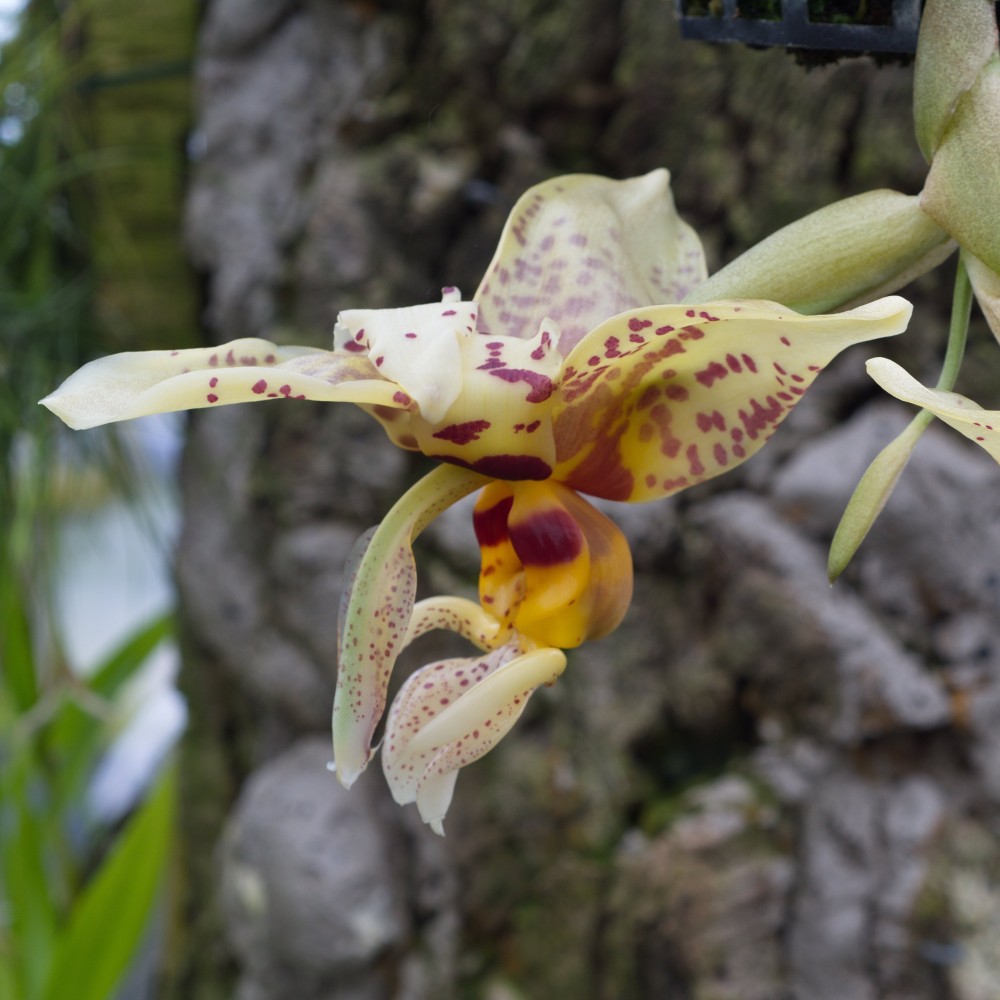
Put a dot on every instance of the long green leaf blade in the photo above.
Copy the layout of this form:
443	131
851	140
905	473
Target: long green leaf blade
113	913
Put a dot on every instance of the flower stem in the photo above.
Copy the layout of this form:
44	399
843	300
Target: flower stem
881	476
961	309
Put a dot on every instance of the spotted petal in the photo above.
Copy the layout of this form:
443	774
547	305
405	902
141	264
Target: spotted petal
960	412
581	248
135	384
376	611
451	713
499	425
659	399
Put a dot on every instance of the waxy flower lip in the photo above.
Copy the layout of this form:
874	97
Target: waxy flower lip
572	370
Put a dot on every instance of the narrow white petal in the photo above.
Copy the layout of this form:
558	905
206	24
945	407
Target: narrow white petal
138	383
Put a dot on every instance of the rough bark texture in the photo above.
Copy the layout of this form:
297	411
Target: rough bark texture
759	787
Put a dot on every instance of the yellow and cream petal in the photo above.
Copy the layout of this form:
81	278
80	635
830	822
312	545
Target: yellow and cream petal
499	424
959	412
136	384
376	608
581	248
662	398
449	714
454	614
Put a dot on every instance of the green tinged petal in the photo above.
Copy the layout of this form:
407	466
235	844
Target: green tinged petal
846	253
986	285
376	609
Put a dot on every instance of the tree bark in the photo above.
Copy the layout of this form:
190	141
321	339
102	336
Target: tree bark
759	787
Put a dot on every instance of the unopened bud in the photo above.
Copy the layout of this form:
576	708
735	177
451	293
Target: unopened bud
845	254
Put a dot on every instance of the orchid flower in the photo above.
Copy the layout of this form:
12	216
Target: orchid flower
572	370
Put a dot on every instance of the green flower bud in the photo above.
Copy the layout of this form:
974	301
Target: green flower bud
956	42
847	253
962	192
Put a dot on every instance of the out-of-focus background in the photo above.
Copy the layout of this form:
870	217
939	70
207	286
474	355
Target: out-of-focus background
758	788
95	108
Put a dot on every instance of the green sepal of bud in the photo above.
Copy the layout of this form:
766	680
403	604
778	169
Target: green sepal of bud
956	41
844	254
962	192
871	494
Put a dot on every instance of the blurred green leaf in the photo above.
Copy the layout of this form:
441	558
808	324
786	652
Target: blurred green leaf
17	662
26	883
8	985
112	915
75	736
122	663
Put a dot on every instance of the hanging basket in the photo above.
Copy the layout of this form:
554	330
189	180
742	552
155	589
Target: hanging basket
876	26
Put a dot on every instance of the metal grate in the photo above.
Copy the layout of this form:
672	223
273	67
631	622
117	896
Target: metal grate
790	26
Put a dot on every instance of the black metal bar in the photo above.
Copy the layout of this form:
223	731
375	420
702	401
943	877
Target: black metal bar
795	30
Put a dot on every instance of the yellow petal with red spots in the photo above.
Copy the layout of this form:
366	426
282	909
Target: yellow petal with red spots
500	423
659	399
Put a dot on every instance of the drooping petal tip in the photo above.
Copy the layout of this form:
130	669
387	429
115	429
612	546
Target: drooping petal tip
959	412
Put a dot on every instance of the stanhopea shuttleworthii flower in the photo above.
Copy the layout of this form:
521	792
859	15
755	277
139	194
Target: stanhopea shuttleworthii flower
572	371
